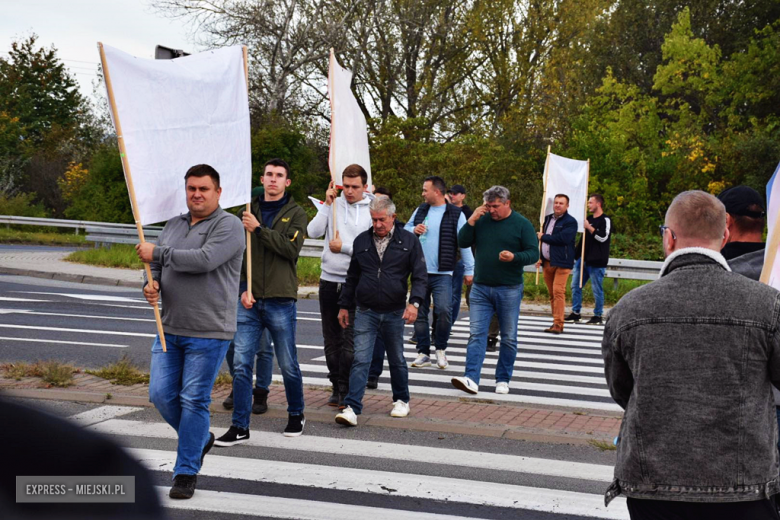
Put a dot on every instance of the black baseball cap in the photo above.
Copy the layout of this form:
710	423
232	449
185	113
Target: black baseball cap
739	199
457	188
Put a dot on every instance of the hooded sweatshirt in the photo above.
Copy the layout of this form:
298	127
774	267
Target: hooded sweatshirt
352	219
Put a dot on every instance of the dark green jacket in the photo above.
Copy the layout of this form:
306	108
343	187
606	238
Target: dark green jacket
275	251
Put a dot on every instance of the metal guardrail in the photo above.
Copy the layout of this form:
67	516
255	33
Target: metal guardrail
111	233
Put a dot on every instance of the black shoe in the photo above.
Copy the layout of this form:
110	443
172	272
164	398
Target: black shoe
260	405
333	400
342	396
207	447
372	383
183	486
413	340
228	402
573	318
595	320
295	424
492	344
233	436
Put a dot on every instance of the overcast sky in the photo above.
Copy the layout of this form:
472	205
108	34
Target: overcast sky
75	26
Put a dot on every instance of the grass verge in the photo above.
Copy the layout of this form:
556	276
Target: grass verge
224	380
123	372
602	445
120	255
15	236
53	373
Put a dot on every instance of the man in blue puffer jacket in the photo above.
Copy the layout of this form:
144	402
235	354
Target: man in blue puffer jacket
557	256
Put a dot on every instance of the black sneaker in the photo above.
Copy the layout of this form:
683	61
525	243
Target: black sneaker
228	402
333	400
183	486
492	344
295	424
207	447
372	383
595	320
234	435
260	404
573	318
413	340
342	396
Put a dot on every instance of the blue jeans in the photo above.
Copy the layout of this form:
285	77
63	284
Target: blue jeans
457	288
440	288
377	359
504	301
278	316
180	386
369	325
263	370
596	277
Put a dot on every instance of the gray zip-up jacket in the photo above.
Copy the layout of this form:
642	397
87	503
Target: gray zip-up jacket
198	269
692	358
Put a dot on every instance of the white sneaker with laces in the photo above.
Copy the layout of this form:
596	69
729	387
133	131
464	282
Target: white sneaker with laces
400	409
441	359
421	361
465	384
347	417
502	388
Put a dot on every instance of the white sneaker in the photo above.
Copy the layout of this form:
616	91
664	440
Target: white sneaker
400	409
347	417
422	361
502	388
465	384
441	359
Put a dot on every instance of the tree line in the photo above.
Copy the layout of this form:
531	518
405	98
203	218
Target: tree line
661	97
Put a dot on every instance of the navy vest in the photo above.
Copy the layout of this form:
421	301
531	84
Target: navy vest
448	234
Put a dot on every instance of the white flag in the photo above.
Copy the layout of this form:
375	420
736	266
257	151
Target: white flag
348	130
177	113
567	177
770	273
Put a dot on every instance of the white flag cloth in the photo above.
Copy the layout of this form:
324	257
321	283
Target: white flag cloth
178	113
348	130
772	209
317	202
569	177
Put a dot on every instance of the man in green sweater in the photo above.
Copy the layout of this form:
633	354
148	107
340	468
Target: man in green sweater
505	242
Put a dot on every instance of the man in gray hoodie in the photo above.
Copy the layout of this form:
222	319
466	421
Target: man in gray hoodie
195	267
352	218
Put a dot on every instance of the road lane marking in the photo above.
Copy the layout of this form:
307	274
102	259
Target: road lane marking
63	342
85	331
93	297
102	413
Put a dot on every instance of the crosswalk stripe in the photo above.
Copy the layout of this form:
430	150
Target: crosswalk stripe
84	331
525	355
300	509
451	391
394	484
524	339
53	342
540	348
102	413
384	450
520	386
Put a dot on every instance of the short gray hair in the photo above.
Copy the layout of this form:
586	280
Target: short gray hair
382	204
496	193
697	215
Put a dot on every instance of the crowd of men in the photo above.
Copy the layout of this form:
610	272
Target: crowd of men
693	358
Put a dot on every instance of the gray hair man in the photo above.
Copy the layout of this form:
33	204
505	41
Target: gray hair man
699	430
384	258
505	242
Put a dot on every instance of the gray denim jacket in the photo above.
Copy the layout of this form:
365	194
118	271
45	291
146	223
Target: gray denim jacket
691	358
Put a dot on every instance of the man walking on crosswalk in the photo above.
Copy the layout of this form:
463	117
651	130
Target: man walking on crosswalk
195	267
505	242
384	258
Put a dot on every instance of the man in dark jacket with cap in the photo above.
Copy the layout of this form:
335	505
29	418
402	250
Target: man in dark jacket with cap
745	219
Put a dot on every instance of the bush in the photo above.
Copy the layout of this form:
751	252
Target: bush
22	205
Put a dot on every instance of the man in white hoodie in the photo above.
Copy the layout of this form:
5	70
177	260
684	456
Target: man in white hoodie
352	218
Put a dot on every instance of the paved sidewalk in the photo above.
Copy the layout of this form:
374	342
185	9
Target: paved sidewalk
461	416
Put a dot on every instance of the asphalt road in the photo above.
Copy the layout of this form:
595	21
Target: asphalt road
336	472
92	326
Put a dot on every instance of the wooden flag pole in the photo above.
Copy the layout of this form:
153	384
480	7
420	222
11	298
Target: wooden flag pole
585	218
331	65
544	208
248	204
774	242
130	188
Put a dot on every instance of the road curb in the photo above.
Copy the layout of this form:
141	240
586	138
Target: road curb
317	415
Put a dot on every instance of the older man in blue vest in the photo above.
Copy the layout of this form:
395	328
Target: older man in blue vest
437	223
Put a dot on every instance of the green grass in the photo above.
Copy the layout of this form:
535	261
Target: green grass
123	372
308	271
119	255
16	236
602	445
224	380
53	373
